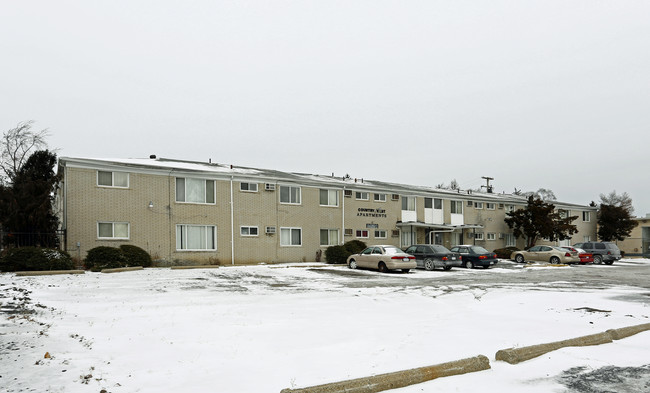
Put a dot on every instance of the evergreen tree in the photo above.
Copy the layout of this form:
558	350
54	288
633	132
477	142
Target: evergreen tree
540	220
615	217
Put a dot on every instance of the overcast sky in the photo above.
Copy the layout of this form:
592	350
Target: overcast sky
552	94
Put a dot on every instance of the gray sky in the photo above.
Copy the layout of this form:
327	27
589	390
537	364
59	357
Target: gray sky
552	94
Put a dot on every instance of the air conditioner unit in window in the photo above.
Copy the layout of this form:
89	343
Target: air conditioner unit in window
501	205
469	203
270	230
502	235
348	231
269	186
347	193
394	233
394	197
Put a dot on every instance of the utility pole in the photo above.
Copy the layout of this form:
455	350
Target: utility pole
488	186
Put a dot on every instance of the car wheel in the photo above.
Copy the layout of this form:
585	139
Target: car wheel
428	264
555	260
468	265
382	267
406	270
447	267
352	264
598	259
519	258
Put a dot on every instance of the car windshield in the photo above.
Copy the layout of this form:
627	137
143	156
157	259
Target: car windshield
439	249
479	250
392	250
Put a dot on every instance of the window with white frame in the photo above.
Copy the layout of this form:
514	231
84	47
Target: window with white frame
456	207
329	198
113	230
363	196
291	237
329	237
290	194
196	237
191	190
586	216
248	231
478	205
511	241
380	234
379	197
408	203
492	236
478	236
510	208
490	206
113	179
249	187
563	213
362	233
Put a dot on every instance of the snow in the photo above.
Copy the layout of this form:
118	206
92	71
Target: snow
268	327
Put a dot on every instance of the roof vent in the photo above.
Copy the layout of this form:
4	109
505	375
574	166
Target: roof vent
153	156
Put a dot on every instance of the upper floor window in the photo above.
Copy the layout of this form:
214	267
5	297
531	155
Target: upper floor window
113	230
248	231
250	187
478	205
563	213
433	203
510	208
113	179
329	198
456	207
408	203
490	206
364	196
586	216
379	197
192	190
289	194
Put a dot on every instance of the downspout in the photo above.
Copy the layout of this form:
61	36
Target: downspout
342	234
65	205
172	229
232	223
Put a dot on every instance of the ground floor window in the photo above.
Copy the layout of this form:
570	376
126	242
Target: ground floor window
329	237
380	234
290	236
491	236
362	233
196	237
478	236
511	241
113	230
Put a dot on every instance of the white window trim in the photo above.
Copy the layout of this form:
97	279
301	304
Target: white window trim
491	236
488	204
249	185
290	229
128	230
200	249
456	203
128	180
214	189
336	192
367	194
331	241
290	187
479	236
478	205
588	215
241	229
407	198
378	197
362	237
385	236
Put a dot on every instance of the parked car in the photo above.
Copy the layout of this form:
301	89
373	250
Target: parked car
382	258
504	253
585	257
475	256
431	256
550	254
603	251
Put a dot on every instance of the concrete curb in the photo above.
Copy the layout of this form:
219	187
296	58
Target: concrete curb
122	269
49	272
399	379
195	267
518	355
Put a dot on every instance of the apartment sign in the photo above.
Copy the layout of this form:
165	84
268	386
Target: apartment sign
365	212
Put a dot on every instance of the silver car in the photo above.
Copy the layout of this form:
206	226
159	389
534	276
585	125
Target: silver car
550	254
382	258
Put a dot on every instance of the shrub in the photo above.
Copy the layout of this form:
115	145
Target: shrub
35	258
504	253
336	254
103	257
135	256
354	247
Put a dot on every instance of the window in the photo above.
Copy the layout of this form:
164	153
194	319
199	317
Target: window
586	238
435	203
329	198
191	190
510	208
563	213
291	237
113	230
408	203
586	216
348	231
428	203
478	236
248	231
250	187
380	234
113	179
380	197
394	197
490	206
394	233
329	237
456	207
196	237
362	233
478	205
347	193
362	195
290	195
491	236
511	241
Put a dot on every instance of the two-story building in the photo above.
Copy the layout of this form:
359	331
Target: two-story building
203	212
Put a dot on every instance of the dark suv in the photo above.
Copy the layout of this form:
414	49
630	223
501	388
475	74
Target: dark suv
603	251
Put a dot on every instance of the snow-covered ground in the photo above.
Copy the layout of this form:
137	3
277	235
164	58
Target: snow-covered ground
265	328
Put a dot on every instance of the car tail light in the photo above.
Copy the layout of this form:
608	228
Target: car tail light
567	254
482	257
444	258
396	257
609	253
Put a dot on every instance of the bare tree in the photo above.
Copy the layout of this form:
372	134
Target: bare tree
544	194
613	199
16	146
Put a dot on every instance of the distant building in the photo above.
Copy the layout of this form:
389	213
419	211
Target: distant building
638	243
197	212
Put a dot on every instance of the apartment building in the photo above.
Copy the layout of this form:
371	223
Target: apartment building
201	212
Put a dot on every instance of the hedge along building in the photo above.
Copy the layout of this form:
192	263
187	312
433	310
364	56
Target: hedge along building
196	212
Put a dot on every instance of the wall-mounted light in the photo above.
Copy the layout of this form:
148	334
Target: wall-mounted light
150	204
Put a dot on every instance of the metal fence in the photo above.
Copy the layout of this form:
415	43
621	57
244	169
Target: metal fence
27	239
